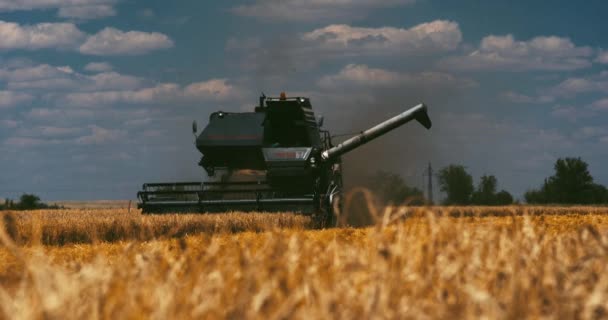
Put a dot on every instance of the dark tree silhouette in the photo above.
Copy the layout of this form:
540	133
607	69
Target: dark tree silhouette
391	188
29	201
572	183
457	184
486	193
504	198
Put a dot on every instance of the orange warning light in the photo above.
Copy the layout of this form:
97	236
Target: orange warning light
283	96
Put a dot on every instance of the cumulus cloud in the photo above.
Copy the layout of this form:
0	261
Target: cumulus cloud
601	104
55	115
574	86
25	142
21	73
8	123
101	135
47	77
87	12
111	41
159	93
78	9
507	54
49	132
14	5
53	135
10	99
39	36
313	10
211	90
436	36
602	57
522	98
67	36
354	75
216	89
587	132
98	67
287	55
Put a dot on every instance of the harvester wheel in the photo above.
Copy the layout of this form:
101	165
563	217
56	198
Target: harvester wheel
327	215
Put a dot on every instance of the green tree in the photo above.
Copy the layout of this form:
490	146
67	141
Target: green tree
391	188
572	183
29	201
503	198
486	191
457	184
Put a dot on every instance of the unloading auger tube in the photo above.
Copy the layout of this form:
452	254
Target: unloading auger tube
418	113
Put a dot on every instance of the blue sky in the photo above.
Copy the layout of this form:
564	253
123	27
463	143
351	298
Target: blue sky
97	96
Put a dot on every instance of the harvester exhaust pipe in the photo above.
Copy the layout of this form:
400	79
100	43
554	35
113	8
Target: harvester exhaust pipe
418	113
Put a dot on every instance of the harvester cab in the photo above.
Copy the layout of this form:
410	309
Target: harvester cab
275	159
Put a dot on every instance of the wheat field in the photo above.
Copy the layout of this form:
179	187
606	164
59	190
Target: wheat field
425	262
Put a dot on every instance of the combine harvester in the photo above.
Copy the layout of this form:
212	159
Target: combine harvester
275	159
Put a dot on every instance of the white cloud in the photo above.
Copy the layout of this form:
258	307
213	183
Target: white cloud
11	99
216	89
354	75
602	57
146	13
436	36
565	112
98	67
29	73
567	88
14	5
507	54
101	135
46	77
211	90
587	132
601	104
297	10
574	113
48	132
87	12
111	41
282	57
157	94
8	124
54	115
574	86
39	36
67	36
78	9
522	98
25	142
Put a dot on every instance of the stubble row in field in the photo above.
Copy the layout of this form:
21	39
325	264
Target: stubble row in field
60	227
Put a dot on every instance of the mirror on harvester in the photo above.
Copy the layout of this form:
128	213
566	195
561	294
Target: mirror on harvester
194	127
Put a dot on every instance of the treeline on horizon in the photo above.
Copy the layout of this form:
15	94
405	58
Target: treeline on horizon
571	183
26	202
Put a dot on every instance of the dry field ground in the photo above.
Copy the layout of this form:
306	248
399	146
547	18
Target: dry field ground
436	262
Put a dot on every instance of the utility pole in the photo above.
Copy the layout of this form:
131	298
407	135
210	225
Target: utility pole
429	185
